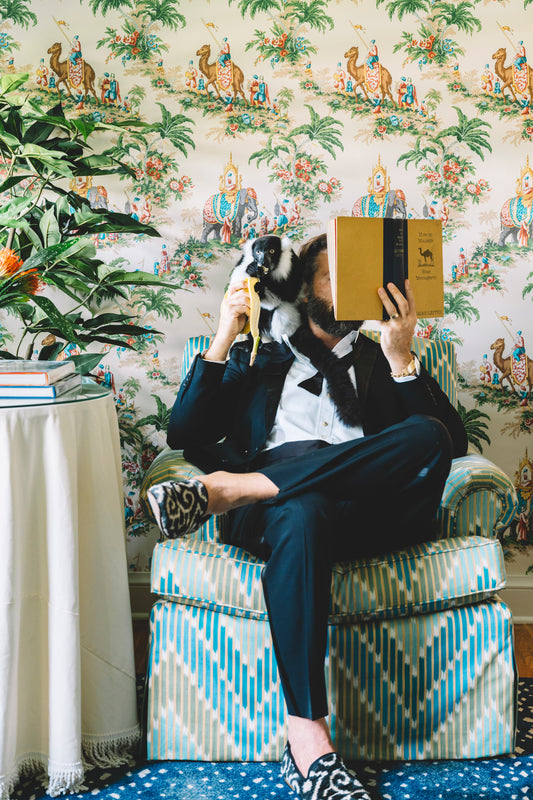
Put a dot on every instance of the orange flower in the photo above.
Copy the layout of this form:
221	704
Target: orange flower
9	262
30	282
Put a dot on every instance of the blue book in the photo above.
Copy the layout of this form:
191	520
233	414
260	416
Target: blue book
50	392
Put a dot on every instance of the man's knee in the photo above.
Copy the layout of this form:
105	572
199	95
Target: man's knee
298	524
434	442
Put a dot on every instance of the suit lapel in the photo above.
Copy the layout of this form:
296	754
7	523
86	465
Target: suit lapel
366	355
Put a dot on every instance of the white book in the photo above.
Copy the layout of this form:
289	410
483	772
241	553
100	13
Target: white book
33	373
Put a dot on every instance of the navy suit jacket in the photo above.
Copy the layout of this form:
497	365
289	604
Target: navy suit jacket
224	412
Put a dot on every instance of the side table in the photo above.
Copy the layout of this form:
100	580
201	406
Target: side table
67	673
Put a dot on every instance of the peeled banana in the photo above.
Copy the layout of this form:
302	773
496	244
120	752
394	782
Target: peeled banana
252	326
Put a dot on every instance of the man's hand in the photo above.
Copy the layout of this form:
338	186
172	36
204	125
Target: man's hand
234	313
397	333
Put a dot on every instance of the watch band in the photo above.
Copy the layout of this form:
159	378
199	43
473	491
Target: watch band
410	369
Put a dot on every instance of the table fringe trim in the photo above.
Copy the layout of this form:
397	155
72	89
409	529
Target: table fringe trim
97	751
110	751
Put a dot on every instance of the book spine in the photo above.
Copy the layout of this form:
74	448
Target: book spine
395	250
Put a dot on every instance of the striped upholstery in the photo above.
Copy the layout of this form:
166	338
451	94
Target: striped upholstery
432	686
420	655
419	579
478	500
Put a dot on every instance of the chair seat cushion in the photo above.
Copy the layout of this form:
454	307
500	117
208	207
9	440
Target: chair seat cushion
419	579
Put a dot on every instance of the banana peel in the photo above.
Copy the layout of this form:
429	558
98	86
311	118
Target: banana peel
252	325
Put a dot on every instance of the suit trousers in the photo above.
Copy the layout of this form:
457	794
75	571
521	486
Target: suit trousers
336	502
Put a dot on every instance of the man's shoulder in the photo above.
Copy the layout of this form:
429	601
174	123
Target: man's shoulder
268	352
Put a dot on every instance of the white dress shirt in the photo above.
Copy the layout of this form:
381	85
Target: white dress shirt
303	415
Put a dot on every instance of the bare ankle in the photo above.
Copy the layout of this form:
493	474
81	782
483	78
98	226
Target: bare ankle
228	490
309	740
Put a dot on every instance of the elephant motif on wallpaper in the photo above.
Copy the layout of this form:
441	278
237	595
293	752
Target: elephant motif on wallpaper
391	204
516	215
381	200
228	212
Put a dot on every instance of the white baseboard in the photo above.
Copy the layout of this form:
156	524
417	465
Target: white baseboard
518	595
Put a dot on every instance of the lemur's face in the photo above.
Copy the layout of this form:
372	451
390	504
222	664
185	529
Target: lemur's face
266	253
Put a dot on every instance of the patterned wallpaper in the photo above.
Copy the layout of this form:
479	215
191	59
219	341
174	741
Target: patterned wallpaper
271	116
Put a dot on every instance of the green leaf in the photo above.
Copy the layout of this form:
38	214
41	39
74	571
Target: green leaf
120	277
57	252
87	361
8	83
49	228
56	318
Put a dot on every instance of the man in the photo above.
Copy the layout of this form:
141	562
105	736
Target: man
301	449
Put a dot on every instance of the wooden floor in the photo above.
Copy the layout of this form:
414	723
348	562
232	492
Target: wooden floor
523	642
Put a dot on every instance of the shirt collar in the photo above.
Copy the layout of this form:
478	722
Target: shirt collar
341	349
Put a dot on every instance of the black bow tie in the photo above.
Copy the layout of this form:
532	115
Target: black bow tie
315	382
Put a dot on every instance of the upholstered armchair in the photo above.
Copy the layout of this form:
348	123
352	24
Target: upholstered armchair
420	657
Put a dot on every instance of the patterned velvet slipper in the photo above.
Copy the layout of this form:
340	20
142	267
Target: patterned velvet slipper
290	772
180	507
329	779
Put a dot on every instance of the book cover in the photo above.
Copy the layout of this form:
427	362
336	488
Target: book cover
33	373
65	384
365	253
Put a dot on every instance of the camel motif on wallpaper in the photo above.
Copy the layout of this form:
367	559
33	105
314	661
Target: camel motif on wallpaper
513	370
61	69
376	78
212	72
511	77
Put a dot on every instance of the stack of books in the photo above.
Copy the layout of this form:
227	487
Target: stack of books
23	382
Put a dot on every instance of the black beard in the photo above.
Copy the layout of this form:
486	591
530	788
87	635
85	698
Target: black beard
322	315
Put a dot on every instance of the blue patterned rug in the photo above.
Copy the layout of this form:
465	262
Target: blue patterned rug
502	778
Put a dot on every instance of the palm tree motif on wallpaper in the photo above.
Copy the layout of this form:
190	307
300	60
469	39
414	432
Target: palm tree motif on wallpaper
445	172
432	44
155	170
15	12
457	306
286	42
138	40
302	174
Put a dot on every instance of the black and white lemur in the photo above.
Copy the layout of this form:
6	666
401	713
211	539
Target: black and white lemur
272	260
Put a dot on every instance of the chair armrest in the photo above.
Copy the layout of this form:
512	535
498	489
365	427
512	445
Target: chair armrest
170	465
479	499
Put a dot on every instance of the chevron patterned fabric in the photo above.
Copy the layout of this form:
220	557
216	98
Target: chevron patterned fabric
432	686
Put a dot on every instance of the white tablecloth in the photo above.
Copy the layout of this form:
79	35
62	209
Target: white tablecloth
67	674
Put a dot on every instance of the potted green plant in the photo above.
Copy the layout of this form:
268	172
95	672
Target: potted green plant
51	278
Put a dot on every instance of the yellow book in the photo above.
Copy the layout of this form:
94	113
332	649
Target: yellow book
365	253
